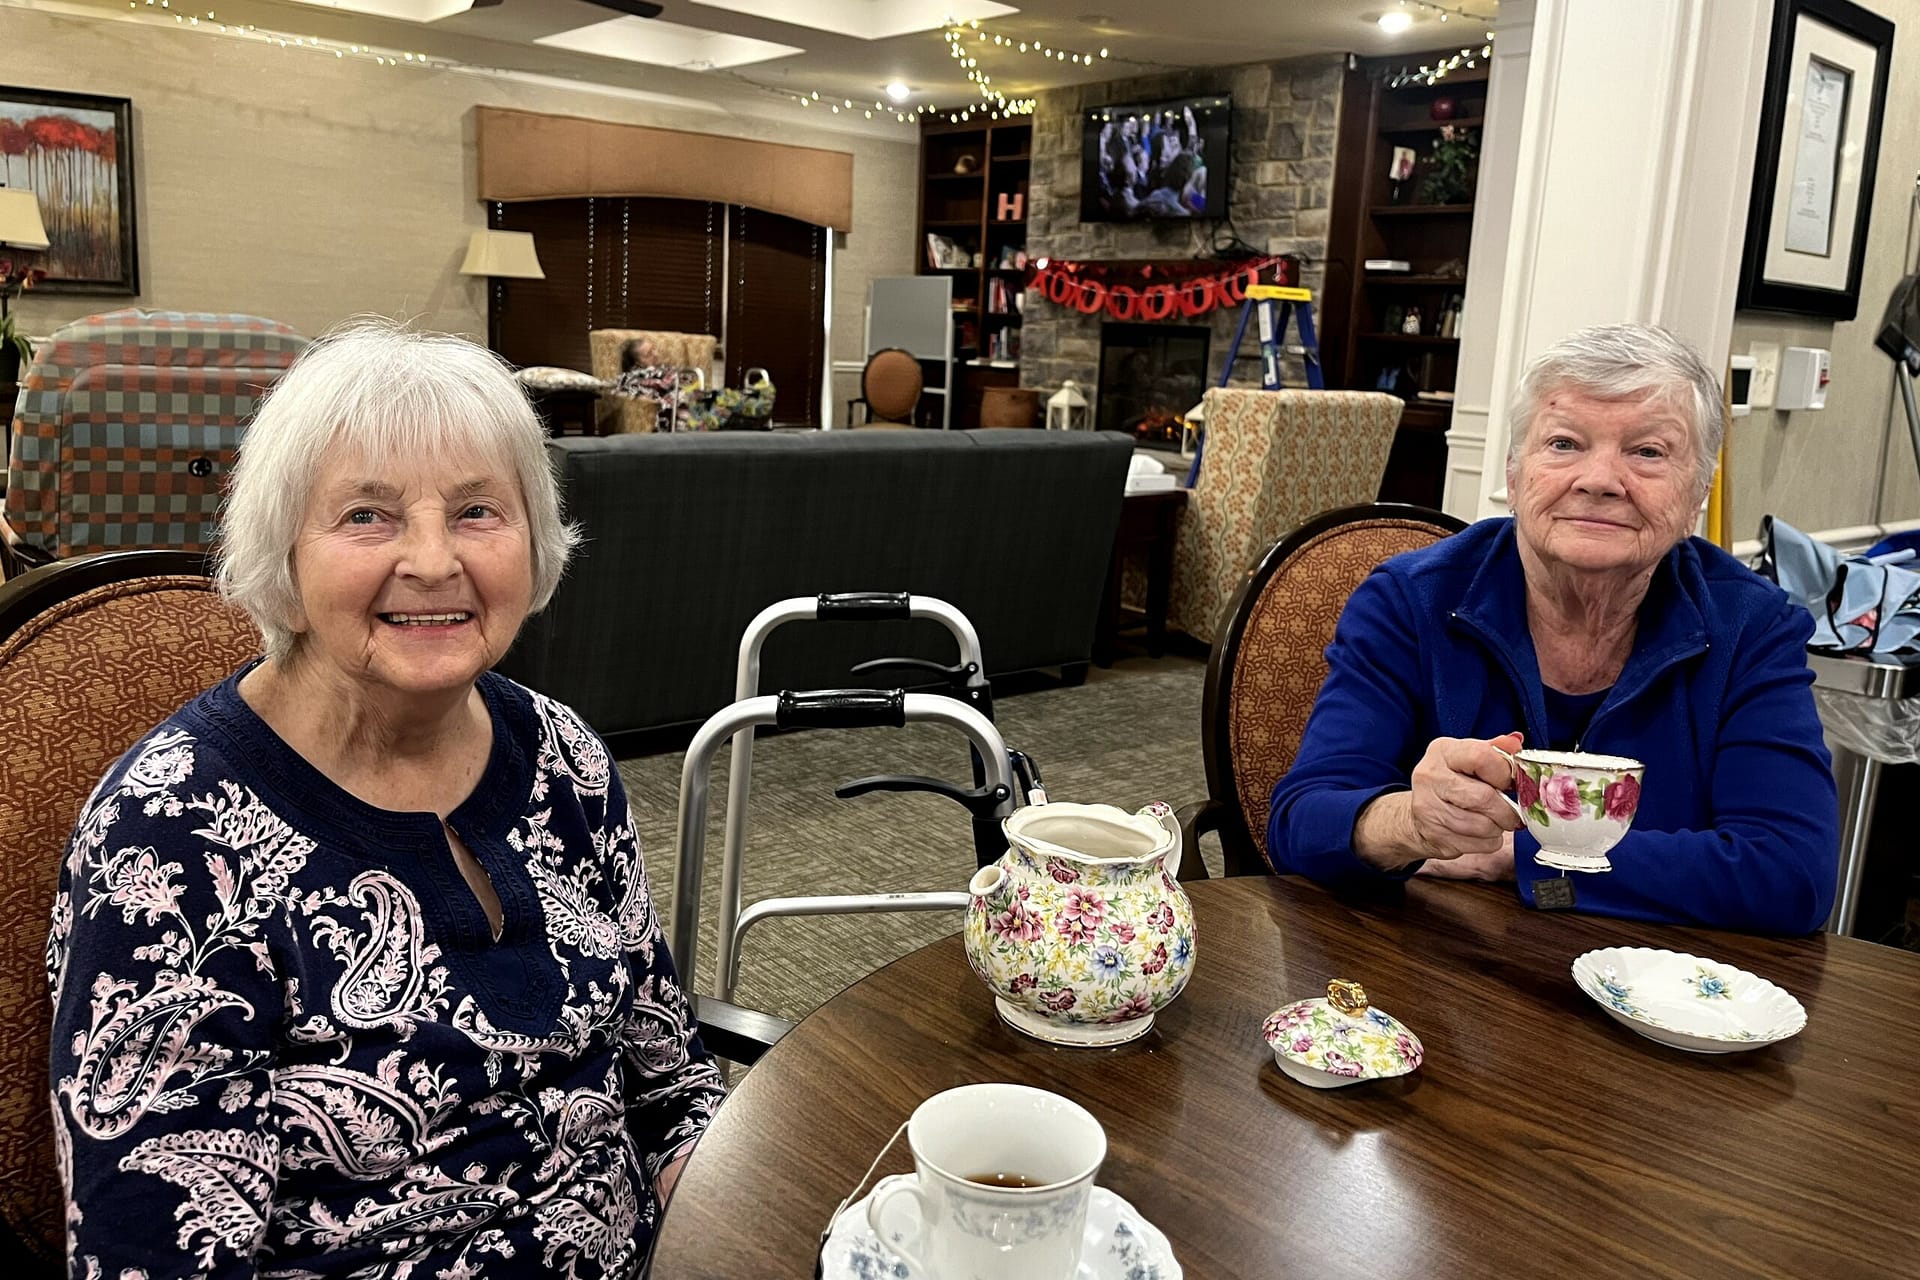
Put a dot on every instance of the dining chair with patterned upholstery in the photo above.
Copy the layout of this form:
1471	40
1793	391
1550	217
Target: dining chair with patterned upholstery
1269	662
890	388
94	651
1273	459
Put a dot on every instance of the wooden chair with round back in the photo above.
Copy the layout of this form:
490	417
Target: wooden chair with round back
1270	660
94	652
890	388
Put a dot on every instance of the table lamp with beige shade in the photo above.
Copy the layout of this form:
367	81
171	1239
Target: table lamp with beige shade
499	256
23	237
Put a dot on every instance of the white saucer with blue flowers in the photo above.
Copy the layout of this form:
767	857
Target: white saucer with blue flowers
1120	1244
1339	1039
1698	1005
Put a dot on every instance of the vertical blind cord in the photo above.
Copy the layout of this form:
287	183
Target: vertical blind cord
626	246
591	326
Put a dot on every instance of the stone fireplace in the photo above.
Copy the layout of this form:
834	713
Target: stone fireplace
1280	189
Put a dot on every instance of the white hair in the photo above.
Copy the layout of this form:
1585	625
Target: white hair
386	392
1625	362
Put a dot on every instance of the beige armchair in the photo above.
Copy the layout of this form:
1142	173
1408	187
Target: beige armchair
619	415
1273	460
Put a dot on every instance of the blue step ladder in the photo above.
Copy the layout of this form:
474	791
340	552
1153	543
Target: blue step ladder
1275	305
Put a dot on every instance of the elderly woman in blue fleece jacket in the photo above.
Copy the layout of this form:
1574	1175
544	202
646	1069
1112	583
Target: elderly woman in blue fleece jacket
1588	620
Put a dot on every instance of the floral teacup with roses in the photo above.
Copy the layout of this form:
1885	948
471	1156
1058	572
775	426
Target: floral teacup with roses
1577	804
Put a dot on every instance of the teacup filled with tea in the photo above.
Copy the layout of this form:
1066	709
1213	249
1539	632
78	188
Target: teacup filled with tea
1003	1174
1577	804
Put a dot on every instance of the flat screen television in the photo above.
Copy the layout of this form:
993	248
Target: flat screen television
1141	161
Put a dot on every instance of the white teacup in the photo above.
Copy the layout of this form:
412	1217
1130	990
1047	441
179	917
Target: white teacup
1577	804
968	1144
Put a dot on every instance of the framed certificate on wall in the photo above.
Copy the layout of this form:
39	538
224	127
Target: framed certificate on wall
1819	144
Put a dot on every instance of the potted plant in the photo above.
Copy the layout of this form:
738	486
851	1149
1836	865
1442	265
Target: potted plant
1450	166
16	353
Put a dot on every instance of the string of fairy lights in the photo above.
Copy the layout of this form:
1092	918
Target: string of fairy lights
1435	72
286	39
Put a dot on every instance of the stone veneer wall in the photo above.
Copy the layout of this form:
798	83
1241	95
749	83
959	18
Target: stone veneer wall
1285	116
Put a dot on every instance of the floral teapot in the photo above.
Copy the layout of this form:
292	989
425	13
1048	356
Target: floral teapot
1080	929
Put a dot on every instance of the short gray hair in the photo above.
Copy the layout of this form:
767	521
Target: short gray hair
378	387
1625	362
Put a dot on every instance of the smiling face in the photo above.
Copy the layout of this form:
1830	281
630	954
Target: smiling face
414	576
1604	486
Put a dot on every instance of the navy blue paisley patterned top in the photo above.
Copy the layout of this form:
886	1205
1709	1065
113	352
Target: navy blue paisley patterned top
286	1042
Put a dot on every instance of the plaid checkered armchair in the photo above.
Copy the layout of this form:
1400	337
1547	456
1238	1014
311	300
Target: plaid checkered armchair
127	425
1273	458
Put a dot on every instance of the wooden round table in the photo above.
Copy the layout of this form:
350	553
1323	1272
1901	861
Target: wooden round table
1539	1139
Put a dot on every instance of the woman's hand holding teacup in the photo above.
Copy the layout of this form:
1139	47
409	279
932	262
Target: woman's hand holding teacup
1456	812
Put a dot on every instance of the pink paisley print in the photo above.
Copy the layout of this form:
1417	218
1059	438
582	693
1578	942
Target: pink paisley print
1622	798
1562	796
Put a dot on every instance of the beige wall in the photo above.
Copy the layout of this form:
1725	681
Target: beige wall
308	188
1823	470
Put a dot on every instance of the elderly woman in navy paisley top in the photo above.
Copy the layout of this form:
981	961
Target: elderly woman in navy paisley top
355	969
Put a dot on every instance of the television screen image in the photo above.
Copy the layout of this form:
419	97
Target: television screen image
1156	160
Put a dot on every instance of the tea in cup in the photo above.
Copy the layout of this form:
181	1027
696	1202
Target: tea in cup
1577	804
1003	1176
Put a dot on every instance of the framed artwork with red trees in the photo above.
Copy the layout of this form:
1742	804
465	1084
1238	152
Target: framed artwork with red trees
75	151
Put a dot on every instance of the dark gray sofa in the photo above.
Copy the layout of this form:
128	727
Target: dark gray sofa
690	535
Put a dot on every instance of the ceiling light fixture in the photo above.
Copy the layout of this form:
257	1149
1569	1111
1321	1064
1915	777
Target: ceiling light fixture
898	91
1395	21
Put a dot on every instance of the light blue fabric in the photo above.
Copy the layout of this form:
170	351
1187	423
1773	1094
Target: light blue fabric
1867	603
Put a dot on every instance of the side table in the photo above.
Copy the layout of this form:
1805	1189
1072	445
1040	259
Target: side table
1148	524
560	410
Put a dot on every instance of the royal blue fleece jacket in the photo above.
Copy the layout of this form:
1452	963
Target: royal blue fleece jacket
1738	825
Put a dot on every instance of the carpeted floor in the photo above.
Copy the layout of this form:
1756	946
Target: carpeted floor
1129	736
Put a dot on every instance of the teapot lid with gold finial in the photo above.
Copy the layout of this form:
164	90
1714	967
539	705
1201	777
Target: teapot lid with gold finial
1340	1039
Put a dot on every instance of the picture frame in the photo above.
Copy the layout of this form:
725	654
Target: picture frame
75	151
1819	145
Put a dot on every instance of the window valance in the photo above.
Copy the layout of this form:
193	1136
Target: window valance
527	155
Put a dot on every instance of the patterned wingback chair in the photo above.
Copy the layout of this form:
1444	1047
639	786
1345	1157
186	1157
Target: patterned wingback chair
93	653
680	350
1272	459
127	425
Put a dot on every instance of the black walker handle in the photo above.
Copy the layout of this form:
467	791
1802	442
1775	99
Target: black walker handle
862	606
841	709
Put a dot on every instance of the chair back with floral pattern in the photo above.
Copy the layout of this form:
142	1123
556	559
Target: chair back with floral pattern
94	652
1270	659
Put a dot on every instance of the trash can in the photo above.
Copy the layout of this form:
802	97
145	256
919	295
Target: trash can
1870	708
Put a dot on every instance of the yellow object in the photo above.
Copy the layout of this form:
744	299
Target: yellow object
1278	293
1347	997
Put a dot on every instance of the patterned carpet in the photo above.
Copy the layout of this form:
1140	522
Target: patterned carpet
1130	735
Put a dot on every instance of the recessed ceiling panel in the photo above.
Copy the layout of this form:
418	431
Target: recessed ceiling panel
405	10
667	44
867	19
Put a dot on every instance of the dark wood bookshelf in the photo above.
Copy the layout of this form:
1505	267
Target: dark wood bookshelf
1360	345
961	207
1421	210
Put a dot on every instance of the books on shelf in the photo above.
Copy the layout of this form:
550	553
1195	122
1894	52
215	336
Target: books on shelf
997	294
944	251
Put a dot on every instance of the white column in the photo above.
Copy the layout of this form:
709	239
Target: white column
1617	164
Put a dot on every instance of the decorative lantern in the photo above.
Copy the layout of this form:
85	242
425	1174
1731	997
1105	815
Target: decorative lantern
1190	428
1067	409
